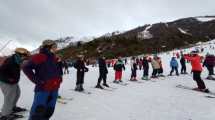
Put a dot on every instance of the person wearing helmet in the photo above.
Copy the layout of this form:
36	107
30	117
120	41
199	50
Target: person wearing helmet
9	79
43	71
195	60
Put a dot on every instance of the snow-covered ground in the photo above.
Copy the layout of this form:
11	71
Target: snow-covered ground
159	100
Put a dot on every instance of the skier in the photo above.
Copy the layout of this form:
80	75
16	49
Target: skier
9	79
103	71
145	68
155	66
160	70
81	69
66	67
133	69
43	71
183	65
174	66
209	62
196	69
118	67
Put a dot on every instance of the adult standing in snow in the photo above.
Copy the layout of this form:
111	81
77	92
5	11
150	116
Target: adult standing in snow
196	69
133	69
183	65
118	67
103	71
81	69
155	66
160	70
174	66
43	71
209	62
145	68
9	79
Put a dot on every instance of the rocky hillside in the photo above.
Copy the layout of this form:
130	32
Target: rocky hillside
153	38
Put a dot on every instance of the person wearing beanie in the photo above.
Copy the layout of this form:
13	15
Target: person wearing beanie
43	71
9	79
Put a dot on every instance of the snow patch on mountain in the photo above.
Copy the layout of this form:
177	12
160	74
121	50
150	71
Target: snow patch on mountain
184	32
146	33
205	19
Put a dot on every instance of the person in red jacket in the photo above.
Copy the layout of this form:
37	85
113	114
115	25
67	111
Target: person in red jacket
196	69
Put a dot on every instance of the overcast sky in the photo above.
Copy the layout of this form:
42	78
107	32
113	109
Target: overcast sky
31	21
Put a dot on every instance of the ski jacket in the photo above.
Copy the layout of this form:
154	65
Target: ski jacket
173	63
119	65
80	66
10	70
195	62
43	71
133	65
209	61
145	64
155	64
102	66
183	61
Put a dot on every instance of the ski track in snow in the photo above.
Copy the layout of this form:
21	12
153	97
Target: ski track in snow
159	100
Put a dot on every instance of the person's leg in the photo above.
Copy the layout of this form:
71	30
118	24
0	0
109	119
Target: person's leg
18	92
99	79
38	109
176	69
199	81
51	104
120	75
172	70
9	93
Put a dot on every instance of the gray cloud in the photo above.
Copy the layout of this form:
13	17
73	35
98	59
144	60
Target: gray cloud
31	21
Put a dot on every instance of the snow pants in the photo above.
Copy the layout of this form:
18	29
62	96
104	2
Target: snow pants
133	73
199	81
210	70
102	76
43	105
11	95
80	78
145	71
118	75
183	69
174	69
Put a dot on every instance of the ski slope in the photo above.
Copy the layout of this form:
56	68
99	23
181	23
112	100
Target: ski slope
152	100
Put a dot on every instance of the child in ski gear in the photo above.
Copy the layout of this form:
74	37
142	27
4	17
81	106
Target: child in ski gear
81	69
103	71
145	68
183	65
209	62
155	66
133	69
160	70
174	66
43	71
196	69
9	79
118	67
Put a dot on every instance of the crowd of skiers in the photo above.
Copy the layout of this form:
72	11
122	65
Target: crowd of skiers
45	69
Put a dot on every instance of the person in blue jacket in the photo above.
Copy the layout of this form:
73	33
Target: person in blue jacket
43	71
174	66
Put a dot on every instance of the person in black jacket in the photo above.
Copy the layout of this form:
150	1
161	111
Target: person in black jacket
81	69
183	65
103	71
145	68
9	79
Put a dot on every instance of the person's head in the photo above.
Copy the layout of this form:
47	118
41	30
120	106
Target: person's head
22	52
173	58
80	57
194	53
50	45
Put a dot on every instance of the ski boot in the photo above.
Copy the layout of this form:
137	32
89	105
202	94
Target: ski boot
99	86
106	85
18	109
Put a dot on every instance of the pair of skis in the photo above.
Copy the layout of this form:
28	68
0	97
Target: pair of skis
63	100
210	94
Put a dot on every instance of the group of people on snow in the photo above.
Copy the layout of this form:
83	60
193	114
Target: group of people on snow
45	70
